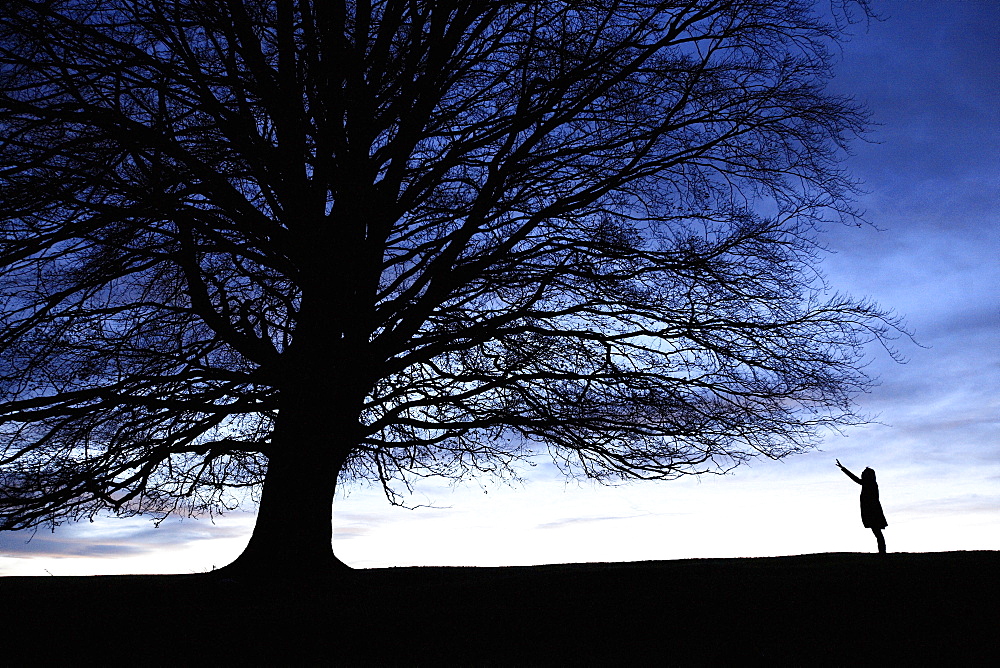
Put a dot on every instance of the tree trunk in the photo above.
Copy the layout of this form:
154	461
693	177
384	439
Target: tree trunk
315	431
294	532
323	380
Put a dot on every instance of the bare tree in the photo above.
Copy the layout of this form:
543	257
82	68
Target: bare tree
262	243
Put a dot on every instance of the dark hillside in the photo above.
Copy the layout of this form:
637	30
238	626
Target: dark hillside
830	609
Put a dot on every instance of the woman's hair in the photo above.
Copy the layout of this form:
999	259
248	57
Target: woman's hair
868	475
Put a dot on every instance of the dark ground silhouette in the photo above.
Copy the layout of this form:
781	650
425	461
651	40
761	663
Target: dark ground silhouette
825	609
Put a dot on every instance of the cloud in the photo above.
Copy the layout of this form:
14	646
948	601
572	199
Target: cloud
23	545
347	533
928	73
958	505
120	537
568	521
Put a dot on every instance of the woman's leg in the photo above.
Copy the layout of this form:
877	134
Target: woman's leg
881	540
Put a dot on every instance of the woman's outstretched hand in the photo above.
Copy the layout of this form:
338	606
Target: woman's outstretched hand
839	465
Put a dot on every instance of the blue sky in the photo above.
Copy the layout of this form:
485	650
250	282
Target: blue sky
930	73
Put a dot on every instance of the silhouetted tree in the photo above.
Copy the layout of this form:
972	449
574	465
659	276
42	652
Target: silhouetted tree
260	243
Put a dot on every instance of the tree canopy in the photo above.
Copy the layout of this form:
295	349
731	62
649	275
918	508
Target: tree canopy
265	243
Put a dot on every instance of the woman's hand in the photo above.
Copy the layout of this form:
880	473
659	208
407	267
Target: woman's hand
848	473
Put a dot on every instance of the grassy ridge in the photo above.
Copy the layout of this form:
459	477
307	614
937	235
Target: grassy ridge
830	609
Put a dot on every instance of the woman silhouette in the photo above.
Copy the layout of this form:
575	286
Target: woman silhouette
871	509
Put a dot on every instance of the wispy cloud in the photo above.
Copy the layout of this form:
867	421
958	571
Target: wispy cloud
129	543
569	521
959	505
347	533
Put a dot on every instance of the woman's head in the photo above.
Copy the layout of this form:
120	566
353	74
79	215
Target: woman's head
868	475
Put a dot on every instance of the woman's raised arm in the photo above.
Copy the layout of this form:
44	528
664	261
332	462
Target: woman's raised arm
848	473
